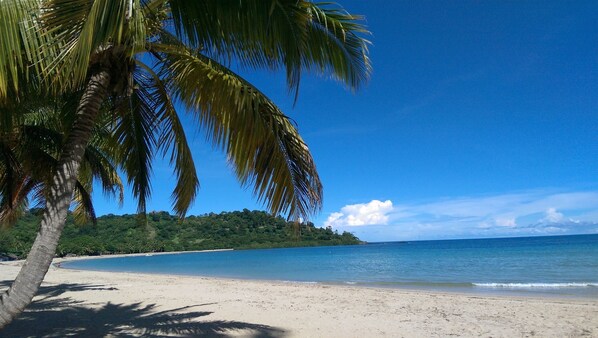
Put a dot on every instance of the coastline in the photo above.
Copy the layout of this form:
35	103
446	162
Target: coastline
576	290
104	303
57	261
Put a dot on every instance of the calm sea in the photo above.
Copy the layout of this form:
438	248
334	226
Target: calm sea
556	265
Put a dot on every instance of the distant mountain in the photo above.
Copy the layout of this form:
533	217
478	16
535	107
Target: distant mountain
164	232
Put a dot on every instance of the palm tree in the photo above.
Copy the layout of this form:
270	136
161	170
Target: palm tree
29	153
136	58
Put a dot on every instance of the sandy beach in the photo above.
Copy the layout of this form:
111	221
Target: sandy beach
97	304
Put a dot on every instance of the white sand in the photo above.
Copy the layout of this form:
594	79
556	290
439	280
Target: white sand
96	304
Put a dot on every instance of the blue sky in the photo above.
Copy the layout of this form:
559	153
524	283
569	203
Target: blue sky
480	120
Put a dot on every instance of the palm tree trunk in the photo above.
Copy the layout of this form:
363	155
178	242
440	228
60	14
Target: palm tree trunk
25	286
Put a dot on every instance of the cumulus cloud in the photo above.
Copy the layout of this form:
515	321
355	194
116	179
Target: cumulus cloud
334	218
552	216
374	212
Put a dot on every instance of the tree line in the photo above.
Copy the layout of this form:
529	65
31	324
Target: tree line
161	231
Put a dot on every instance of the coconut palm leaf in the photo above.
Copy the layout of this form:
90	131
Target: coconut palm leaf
12	183
27	48
30	153
288	34
13	15
104	171
263	146
134	132
85	29
83	210
11	210
171	138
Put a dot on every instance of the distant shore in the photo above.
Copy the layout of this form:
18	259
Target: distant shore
103	303
62	259
59	260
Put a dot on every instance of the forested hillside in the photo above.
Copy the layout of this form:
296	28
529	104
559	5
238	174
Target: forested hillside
164	232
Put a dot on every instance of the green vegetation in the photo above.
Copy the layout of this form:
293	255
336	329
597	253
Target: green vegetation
164	232
141	65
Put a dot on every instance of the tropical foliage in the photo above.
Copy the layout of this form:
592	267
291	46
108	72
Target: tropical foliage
29	153
156	53
133	62
164	232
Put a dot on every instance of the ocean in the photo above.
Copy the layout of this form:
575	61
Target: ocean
555	265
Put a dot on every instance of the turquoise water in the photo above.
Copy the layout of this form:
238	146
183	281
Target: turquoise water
560	265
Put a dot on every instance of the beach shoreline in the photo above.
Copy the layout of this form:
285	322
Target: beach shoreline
63	259
142	304
466	289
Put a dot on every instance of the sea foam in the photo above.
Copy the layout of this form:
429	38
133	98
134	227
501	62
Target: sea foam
535	285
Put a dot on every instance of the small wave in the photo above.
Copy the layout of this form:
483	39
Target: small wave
535	285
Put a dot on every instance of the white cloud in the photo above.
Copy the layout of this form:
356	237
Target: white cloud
373	213
334	218
552	216
534	212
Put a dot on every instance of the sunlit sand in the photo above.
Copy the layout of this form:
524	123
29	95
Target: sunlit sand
100	303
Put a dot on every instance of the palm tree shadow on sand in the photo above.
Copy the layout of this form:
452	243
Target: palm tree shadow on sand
52	315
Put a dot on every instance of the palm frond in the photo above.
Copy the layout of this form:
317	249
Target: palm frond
335	44
104	170
171	138
294	35
54	45
13	185
11	175
83	210
29	154
263	146
11	210
135	134
85	29
14	14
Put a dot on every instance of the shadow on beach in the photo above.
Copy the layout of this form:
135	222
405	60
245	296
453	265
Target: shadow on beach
52	315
